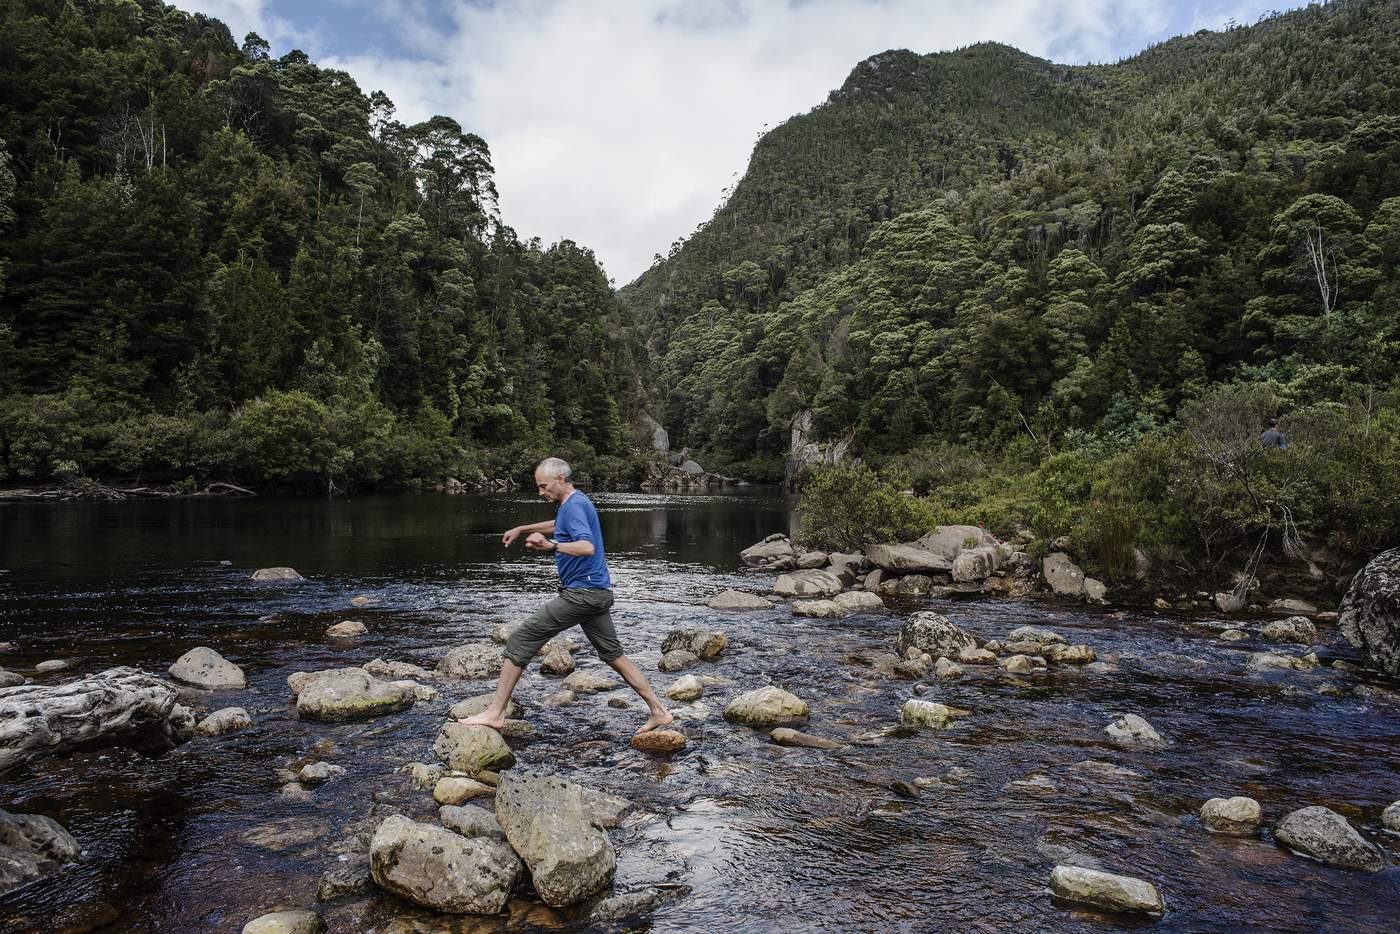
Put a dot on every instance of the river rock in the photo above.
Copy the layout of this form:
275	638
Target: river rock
557	663
345	694
911	585
458	789
977	657
1326	836
785	736
1234	635
822	609
1295	629
949	541
32	846
767	706
812	559
277	574
1133	731
1390	818
708	644
1105	891
53	664
1238	815
396	671
442	870
917	712
318	773
1292	605
685	688
943	668
346	629
475	705
977	564
206	668
907	559
471	748
228	720
117	707
348	878
299	921
1063	575
931	633
772	548
1037	635
472	660
1095	591
549	823
1370	611
361	600
659	742
816	582
1068	654
677	660
1270	661
471	821
1022	664
9	679
1230	602
858	601
738	600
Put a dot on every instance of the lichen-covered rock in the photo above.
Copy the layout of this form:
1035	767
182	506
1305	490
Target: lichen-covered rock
917	712
1370	611
1063	575
343	694
470	820
228	720
820	609
9	679
707	644
32	846
738	600
442	870
858	601
550	823
557	663
1238	815
472	660
471	748
1390	818
1132	730
1105	891
1295	629
203	667
1271	661
767	706
1067	654
1326	836
933	634
1036	634
816	582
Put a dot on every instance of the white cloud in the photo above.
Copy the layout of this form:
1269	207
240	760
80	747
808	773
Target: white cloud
617	124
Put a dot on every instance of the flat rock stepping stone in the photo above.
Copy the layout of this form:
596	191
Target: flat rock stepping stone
659	742
786	736
1105	891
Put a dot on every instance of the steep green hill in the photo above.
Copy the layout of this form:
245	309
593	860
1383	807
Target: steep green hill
985	249
215	263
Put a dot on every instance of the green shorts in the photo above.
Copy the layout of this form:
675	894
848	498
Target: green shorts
586	608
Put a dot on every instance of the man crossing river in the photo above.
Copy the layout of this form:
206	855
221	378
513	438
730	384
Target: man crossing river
585	595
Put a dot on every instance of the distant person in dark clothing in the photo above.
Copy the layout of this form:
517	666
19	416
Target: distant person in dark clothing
1272	437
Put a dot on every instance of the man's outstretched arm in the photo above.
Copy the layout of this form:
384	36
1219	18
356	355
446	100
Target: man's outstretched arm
544	528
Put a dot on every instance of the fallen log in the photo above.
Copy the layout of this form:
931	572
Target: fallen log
117	707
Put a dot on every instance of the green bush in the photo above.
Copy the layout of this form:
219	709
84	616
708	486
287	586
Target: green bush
847	506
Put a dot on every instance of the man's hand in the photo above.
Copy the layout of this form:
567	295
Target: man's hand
537	542
509	537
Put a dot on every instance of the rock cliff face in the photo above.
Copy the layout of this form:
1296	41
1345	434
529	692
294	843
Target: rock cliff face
1370	611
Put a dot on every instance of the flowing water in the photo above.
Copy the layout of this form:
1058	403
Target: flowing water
751	836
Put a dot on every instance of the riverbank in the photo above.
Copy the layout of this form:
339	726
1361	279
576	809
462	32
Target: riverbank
735	828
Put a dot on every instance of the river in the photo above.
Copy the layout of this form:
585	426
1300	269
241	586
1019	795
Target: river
762	837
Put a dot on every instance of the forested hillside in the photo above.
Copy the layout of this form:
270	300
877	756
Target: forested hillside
978	265
221	264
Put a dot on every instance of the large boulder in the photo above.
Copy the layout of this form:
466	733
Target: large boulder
858	601
117	707
977	564
707	644
932	633
907	559
550	823
442	870
472	660
1326	836
949	541
32	846
342	694
767	706
1296	629
772	548
738	600
816	582
205	668
1105	891
1370	611
1063	575
471	748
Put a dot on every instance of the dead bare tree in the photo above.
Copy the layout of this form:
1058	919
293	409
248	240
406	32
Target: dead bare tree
1322	257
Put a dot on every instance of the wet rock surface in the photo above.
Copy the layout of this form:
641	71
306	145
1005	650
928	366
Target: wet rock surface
442	870
1105	890
205	668
350	694
1326	836
32	846
547	821
1370	612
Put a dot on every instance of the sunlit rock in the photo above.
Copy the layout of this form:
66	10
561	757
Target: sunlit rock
1238	815
1105	891
203	667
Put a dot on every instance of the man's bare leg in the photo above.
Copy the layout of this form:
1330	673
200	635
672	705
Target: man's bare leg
638	682
494	715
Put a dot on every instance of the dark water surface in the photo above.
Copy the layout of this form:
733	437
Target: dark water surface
765	837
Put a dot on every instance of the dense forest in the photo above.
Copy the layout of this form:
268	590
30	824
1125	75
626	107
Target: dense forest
1070	298
219	264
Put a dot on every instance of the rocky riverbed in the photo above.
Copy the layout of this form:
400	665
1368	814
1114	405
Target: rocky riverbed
853	815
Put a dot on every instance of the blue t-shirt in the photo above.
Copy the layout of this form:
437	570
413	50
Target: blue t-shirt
577	521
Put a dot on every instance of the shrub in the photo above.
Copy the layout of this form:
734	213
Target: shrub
847	506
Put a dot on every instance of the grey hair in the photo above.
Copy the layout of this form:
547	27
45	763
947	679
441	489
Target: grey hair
555	467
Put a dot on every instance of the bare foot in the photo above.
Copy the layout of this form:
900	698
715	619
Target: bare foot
656	720
485	718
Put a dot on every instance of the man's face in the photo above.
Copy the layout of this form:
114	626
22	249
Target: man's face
551	488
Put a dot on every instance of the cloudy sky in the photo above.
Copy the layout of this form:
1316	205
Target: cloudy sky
617	123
